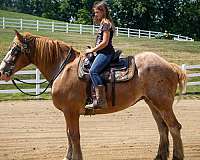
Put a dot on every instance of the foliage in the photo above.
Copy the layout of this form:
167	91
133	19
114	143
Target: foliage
177	16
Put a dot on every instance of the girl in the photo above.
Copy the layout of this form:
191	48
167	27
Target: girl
104	50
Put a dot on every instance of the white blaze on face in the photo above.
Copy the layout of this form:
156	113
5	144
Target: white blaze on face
3	66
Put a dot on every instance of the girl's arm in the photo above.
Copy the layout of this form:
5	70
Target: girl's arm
102	45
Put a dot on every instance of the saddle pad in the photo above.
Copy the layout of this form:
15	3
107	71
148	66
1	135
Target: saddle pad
119	71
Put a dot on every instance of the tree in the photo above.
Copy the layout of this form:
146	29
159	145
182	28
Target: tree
189	19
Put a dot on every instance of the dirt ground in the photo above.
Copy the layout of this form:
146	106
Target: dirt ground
35	130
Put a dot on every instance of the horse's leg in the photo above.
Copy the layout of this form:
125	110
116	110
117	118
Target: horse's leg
73	133
163	150
163	103
69	150
174	127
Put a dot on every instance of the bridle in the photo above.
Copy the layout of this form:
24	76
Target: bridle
24	49
16	51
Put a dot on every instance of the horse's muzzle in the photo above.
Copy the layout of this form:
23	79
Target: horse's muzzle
4	77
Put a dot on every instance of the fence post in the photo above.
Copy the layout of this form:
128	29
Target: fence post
128	32
81	28
149	34
3	22
37	79
67	27
21	24
93	29
117	31
52	27
139	33
37	25
183	67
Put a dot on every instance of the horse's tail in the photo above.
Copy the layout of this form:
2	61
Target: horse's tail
182	77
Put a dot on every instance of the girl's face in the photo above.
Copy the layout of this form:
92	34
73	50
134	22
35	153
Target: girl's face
98	15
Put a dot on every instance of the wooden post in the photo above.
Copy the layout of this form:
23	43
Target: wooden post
139	33
52	27
37	79
93	29
81	28
21	24
3	22
117	31
37	25
128	32
67	27
149	34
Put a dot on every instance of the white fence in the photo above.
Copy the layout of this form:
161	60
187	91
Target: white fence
78	28
37	89
191	75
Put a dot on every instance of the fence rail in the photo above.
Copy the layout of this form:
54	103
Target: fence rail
191	75
37	88
78	28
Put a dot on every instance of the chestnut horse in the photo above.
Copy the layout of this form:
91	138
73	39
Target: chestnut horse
155	81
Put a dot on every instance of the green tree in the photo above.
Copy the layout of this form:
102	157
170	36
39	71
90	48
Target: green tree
188	19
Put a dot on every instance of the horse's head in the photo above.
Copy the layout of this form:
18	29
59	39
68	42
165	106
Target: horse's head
16	58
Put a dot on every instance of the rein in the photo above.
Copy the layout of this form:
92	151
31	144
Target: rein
66	61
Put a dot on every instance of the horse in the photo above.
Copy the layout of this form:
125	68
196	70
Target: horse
155	82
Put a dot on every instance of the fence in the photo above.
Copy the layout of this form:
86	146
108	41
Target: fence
78	28
37	89
37	79
191	75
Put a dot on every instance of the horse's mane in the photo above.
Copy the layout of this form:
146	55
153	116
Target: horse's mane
48	49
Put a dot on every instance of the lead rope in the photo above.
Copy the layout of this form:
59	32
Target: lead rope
66	61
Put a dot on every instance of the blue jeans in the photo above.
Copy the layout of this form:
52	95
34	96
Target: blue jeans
100	63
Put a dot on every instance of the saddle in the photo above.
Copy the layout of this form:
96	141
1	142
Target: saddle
121	69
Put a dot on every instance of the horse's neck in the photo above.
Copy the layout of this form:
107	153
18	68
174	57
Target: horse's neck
47	65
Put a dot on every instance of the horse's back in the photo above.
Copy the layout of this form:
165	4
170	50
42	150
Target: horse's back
155	73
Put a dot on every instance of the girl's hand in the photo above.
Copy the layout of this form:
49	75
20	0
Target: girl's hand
89	50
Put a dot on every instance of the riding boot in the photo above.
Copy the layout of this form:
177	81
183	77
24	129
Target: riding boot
100	101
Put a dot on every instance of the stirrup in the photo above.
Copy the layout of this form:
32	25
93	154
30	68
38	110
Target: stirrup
89	106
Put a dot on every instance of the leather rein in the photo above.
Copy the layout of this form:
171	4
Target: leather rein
66	61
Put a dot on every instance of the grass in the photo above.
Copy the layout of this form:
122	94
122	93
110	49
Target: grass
174	51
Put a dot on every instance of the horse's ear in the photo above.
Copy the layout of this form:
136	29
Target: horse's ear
19	36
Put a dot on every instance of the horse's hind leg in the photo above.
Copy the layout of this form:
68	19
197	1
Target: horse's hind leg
163	103
174	127
163	150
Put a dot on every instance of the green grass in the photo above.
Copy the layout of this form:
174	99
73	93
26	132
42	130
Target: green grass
173	51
